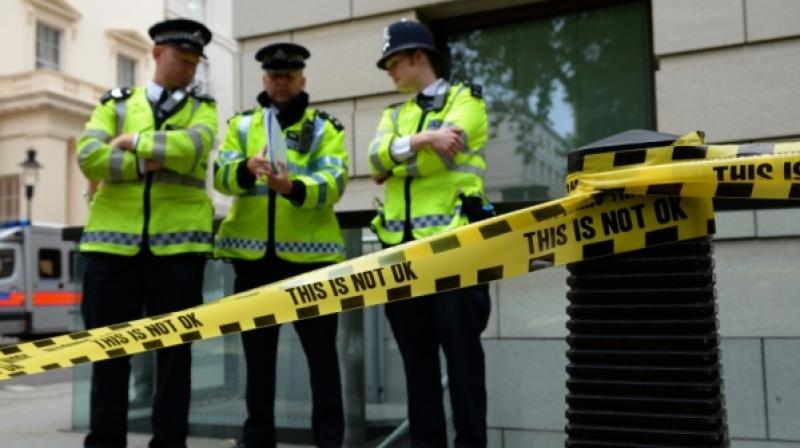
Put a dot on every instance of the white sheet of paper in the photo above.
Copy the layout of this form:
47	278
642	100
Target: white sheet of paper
276	151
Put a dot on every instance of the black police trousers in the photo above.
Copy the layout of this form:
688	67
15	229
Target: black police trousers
318	338
118	289
454	321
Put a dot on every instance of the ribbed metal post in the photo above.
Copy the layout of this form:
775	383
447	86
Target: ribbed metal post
644	360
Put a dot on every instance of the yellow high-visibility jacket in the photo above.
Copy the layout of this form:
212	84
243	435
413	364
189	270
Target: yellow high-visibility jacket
168	208
426	191
302	228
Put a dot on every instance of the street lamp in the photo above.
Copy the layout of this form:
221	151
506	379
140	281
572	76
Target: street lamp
30	174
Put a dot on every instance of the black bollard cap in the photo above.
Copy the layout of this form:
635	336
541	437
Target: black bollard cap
631	139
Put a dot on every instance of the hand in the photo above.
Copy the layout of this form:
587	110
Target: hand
258	166
123	141
446	141
279	182
150	165
380	178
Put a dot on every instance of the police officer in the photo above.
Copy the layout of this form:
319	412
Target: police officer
149	225
282	224
428	154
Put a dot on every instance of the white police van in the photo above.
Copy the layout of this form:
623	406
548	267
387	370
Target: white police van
39	294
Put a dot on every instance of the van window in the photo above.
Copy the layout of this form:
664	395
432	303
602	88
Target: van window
6	262
49	263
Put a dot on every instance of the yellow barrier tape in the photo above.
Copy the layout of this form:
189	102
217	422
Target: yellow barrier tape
633	206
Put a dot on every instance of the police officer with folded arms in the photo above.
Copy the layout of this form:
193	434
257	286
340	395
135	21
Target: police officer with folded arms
282	224
149	225
428	154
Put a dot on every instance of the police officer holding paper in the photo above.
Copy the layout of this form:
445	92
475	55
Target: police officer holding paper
285	164
149	226
428	155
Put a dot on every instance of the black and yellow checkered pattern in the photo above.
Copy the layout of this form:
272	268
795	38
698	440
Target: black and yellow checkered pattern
618	202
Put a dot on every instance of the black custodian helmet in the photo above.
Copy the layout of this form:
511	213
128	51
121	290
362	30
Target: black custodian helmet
406	35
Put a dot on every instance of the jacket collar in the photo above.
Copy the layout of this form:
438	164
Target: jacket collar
290	113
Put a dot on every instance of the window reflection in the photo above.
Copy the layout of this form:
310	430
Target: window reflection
552	85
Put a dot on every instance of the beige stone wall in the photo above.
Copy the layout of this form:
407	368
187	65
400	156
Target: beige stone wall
728	67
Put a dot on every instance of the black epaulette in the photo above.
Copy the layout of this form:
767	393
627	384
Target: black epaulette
244	112
475	89
334	121
117	94
204	97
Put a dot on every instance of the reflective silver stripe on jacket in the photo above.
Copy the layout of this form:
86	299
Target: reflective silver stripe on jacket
228	155
328	160
171	238
120	109
242	128
256	190
164	176
340	183
412	169
160	147
119	238
322	188
99	134
115	164
374	157
319	131
197	142
195	105
87	150
395	117
471	169
373	151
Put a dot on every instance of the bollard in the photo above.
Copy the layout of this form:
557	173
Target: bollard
644	365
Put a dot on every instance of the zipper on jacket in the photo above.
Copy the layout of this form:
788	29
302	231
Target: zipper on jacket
148	182
148	177
408	234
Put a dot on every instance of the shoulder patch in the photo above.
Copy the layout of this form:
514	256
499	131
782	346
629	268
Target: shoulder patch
117	94
202	96
334	121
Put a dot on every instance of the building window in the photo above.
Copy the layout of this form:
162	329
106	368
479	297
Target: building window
48	47
201	82
126	71
197	9
9	197
552	84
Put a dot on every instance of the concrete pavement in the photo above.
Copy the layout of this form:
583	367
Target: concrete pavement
35	412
